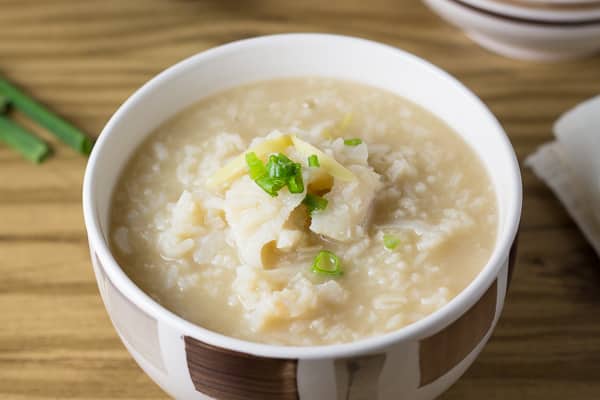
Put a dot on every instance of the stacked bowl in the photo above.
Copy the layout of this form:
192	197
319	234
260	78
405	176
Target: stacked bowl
545	30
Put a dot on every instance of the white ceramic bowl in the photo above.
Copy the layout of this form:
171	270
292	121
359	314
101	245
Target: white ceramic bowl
189	362
560	2
521	38
554	3
544	12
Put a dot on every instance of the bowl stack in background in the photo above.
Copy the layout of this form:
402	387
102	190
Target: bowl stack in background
543	30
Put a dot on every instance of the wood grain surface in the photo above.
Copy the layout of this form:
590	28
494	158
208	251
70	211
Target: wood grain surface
83	58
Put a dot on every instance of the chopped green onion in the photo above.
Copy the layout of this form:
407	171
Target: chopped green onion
327	263
280	171
390	242
352	142
313	161
18	138
295	182
4	104
256	168
314	203
55	125
270	185
280	166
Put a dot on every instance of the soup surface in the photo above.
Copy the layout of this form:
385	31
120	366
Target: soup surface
303	211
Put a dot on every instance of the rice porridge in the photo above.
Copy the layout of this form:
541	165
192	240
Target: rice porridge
303	211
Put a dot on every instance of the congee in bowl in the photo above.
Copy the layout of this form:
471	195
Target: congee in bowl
303	211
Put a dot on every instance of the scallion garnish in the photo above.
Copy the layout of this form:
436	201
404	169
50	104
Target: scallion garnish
55	125
270	184
280	171
314	202
295	182
390	242
313	161
352	142
280	166
4	103
327	263
18	138
256	168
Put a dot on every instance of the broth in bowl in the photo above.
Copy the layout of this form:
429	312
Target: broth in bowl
303	211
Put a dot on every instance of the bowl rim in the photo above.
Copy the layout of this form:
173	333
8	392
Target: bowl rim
524	16
572	6
554	2
419	329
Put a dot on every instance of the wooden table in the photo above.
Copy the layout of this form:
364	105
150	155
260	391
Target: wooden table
83	58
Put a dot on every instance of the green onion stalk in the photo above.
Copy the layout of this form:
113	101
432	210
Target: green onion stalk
279	172
56	125
390	242
4	104
327	263
315	202
30	147
352	142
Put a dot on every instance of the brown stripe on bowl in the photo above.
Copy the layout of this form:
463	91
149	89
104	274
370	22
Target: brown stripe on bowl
439	353
228	375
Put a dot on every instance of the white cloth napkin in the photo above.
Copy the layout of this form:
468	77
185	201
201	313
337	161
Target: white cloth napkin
570	166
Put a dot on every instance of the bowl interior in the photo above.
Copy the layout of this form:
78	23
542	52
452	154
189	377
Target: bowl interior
307	55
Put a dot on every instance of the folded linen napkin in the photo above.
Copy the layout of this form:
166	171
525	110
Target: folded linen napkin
570	166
